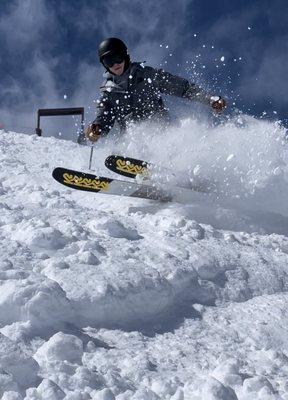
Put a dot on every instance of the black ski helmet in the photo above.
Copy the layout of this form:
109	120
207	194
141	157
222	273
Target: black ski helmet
113	46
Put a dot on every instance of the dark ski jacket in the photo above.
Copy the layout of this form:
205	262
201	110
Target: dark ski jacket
136	96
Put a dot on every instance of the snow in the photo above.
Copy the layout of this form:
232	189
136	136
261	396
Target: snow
114	298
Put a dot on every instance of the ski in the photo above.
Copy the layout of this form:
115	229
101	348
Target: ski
99	184
144	171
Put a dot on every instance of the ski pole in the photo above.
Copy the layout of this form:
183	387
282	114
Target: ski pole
91	155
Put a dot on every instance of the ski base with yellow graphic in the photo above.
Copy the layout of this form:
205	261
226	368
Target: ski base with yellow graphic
150	173
103	185
99	184
127	166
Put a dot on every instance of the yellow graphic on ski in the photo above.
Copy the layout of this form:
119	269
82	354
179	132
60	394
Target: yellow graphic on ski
88	183
126	166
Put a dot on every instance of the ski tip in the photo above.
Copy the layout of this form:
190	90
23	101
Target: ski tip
56	172
110	160
81	180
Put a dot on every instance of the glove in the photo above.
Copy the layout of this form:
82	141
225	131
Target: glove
93	132
217	103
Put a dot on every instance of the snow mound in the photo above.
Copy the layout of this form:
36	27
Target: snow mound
121	298
17	370
60	347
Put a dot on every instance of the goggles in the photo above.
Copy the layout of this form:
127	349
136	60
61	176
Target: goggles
110	59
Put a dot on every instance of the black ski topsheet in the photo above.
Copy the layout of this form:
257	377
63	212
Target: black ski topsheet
99	184
127	166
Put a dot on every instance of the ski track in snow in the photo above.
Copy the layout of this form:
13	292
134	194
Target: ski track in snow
118	298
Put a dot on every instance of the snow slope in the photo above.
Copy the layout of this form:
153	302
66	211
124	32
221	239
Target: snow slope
118	298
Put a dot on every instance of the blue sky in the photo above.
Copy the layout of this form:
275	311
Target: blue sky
49	51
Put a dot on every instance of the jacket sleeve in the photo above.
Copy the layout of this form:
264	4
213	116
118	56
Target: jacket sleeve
105	115
177	86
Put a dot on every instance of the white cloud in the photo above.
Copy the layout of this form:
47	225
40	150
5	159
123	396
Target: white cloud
268	80
143	25
24	22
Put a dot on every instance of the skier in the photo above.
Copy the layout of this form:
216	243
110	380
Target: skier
132	91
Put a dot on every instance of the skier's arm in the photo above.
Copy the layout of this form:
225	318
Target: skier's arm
105	116
180	87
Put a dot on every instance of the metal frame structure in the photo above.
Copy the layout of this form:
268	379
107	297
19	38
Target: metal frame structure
50	112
